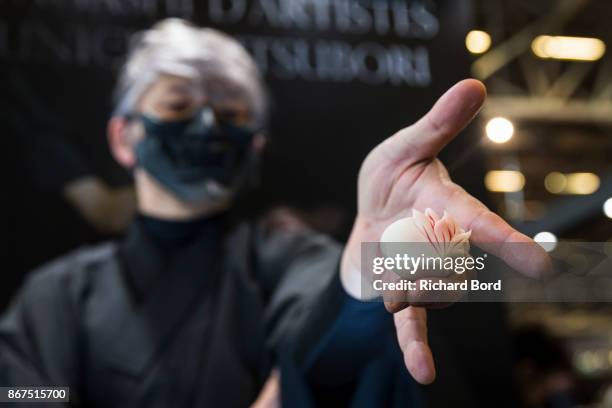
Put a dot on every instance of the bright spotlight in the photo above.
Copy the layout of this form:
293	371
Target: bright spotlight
499	130
607	207
568	48
477	41
547	240
555	182
582	183
504	181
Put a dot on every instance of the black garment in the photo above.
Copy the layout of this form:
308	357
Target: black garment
128	325
173	235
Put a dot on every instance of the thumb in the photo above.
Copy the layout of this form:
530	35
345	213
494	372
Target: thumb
449	115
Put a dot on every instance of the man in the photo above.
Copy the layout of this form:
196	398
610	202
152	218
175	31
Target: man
195	307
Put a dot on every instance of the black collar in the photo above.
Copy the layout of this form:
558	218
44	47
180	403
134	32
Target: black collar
144	260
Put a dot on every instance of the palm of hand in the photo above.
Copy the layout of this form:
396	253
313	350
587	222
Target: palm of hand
403	173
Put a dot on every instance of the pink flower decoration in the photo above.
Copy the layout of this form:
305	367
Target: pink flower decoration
444	235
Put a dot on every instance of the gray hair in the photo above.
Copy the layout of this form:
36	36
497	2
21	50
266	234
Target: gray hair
175	46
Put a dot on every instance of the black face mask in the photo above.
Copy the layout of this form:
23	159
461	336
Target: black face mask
197	159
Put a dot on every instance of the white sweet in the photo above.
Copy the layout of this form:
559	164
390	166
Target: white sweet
444	236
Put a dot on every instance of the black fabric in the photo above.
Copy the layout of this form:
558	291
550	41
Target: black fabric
171	235
201	328
153	242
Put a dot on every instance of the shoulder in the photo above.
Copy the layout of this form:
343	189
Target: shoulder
281	230
69	275
279	239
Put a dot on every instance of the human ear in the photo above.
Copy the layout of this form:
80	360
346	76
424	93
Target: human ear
121	141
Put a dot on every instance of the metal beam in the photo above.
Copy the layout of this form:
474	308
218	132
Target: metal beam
569	81
501	55
550	109
568	212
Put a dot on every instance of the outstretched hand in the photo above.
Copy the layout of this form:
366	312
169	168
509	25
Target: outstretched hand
403	173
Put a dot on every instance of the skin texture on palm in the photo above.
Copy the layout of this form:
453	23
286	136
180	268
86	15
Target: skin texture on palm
403	173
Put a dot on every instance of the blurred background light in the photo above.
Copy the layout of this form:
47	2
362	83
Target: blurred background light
582	183
555	182
499	130
572	183
556	90
547	240
477	42
568	48
607	207
504	181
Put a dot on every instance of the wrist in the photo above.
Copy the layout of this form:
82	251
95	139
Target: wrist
350	265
